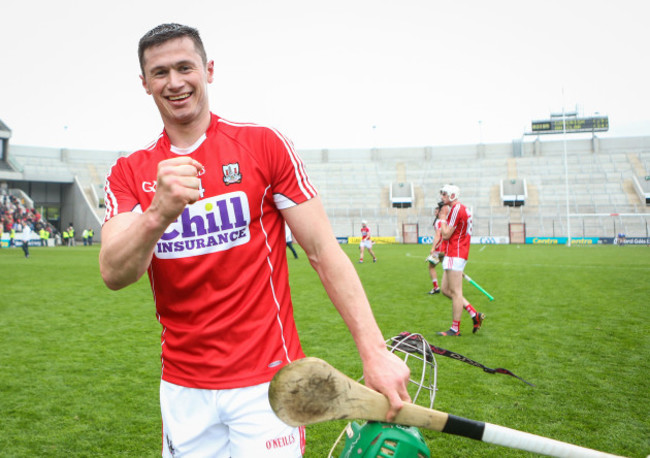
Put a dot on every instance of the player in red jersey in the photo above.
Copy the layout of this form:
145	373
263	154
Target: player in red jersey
202	212
456	230
437	252
366	242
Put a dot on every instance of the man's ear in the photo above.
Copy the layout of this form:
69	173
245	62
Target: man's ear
209	69
144	84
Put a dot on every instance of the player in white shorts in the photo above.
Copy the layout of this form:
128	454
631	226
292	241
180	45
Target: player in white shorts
202	211
216	423
366	242
456	229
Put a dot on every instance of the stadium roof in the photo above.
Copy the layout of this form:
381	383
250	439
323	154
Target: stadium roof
4	128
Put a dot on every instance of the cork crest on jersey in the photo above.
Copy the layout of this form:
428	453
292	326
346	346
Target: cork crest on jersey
231	174
209	225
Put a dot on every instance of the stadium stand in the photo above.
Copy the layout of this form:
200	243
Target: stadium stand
608	182
599	185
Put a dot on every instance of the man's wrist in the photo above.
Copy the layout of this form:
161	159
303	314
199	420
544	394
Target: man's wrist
154	222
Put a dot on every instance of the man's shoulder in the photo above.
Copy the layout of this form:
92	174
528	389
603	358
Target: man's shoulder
159	144
143	155
243	131
459	208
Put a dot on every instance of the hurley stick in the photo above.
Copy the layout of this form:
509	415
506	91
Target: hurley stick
477	286
311	391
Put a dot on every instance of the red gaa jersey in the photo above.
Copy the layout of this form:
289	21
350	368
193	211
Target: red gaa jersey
461	219
365	233
219	272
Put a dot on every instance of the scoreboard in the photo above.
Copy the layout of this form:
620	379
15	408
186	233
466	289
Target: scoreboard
555	126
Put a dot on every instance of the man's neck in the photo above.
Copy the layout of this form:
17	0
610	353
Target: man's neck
185	135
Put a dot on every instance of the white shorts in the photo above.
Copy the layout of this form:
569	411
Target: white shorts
366	244
456	264
225	423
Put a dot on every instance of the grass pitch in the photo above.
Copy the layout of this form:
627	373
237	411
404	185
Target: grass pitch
79	364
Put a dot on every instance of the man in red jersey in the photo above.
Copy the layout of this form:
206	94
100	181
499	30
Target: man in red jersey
202	212
456	230
366	242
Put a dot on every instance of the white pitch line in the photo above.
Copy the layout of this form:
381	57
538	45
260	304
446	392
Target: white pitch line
572	266
409	255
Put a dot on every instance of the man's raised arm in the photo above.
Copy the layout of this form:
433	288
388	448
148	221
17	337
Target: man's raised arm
128	239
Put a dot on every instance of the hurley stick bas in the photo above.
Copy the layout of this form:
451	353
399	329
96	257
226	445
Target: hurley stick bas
311	391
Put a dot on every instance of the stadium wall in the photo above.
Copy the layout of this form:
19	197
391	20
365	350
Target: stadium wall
78	209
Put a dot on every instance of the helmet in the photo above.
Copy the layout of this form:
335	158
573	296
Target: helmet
383	440
364	222
451	190
396	440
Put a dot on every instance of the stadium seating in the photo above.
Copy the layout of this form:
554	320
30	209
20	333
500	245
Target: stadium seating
355	184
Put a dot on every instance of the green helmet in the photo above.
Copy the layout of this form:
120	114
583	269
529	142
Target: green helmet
383	440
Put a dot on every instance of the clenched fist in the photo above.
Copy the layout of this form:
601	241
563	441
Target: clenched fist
177	185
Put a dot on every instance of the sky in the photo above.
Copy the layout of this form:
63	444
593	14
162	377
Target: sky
330	74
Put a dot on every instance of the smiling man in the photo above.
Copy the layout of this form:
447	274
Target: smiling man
175	74
202	212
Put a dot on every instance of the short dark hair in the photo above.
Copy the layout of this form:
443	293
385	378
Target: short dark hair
165	32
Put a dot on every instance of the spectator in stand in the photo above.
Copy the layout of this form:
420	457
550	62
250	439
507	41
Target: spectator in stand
42	233
71	241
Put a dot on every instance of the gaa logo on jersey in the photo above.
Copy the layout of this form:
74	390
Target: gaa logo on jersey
210	225
231	174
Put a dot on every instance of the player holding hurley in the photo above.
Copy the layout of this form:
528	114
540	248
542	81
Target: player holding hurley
202	212
456	230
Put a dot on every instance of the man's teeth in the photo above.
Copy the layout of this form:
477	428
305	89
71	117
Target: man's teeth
178	97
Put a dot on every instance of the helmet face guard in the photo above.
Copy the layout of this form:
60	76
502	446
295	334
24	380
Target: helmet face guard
377	439
417	354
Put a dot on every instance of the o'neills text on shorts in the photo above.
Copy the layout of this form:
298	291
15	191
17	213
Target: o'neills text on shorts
280	442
